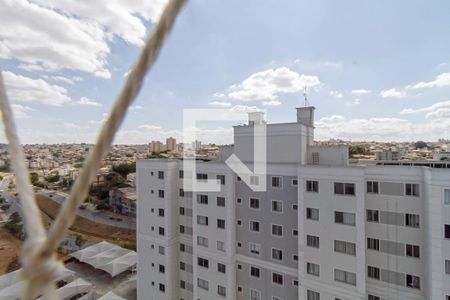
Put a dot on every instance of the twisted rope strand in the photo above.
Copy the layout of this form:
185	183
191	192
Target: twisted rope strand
39	263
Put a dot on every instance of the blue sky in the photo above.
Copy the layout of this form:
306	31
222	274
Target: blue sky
377	70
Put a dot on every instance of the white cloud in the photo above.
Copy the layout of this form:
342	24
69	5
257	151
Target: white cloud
136	107
266	85
244	109
87	101
271	103
361	91
25	89
20	111
149	127
440	81
50	35
67	80
353	102
437	110
336	94
219	95
393	93
68	125
220	103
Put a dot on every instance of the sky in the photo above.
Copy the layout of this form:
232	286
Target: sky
374	70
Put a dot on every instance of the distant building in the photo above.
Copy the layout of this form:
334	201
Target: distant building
196	145
388	155
441	155
171	144
155	146
124	200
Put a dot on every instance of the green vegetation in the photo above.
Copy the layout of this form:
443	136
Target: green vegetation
357	149
104	205
124	168
15	229
130	246
34	178
52	178
79	240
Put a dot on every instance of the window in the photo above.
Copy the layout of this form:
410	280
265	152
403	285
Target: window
202	199
254	203
312	241
203	284
312	186
221	290
220	246
182	266
294	182
276	182
255	272
182	229
255	295
221	223
239	222
161	212
161	230
373	272
447	267
372	187
254	226
182	211
372	215
372	297
412	281
277	278
202	241
312	269
203	262
202	220
182	284
447	231
161	250
345	277
277	254
221	179
447	196
182	247
181	174
221	201
311	295
344	218
238	178
277	206
161	193
412	250
277	230
294	232
412	220
238	200
373	244
162	288
295	257
344	188
181	193
202	176
254	180
345	247
312	214
254	248
221	268
294	207
412	189
162	269
160	174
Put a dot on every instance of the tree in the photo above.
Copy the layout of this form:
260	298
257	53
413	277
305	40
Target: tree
34	178
124	168
79	240
357	149
52	178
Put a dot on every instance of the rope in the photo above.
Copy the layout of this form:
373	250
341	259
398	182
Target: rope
40	267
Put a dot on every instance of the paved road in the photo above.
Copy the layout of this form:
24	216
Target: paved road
14	205
92	214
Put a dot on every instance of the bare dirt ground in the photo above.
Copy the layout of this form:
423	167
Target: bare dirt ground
9	249
88	227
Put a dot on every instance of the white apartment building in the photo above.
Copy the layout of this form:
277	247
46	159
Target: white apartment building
323	230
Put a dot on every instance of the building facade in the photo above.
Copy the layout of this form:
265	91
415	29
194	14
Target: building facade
323	229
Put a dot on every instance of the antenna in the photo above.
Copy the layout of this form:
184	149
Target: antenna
305	94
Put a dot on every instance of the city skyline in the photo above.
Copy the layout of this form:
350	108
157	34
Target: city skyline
372	70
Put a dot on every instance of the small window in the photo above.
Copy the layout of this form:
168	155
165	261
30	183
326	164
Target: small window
312	214
277	230
161	193
277	254
345	247
162	269
161	231
412	281
344	188
294	182
277	206
254	180
160	212
447	231
312	295
447	267
412	220
181	174
255	295
372	215
276	182
221	201
372	297
182	229
312	241
372	187
413	250
255	248
373	244
447	196
255	272
254	203
203	284
239	222
182	247
161	250
182	211
202	220
181	193
202	199
221	179
238	200
294	232
344	276
162	288
160	175
412	189
294	207
312	269
221	268
202	241
254	226
182	266
220	246
221	291
312	186
221	223
277	278
203	262
344	218
295	257
373	272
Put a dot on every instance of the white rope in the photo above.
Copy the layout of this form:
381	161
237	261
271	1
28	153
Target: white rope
38	258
